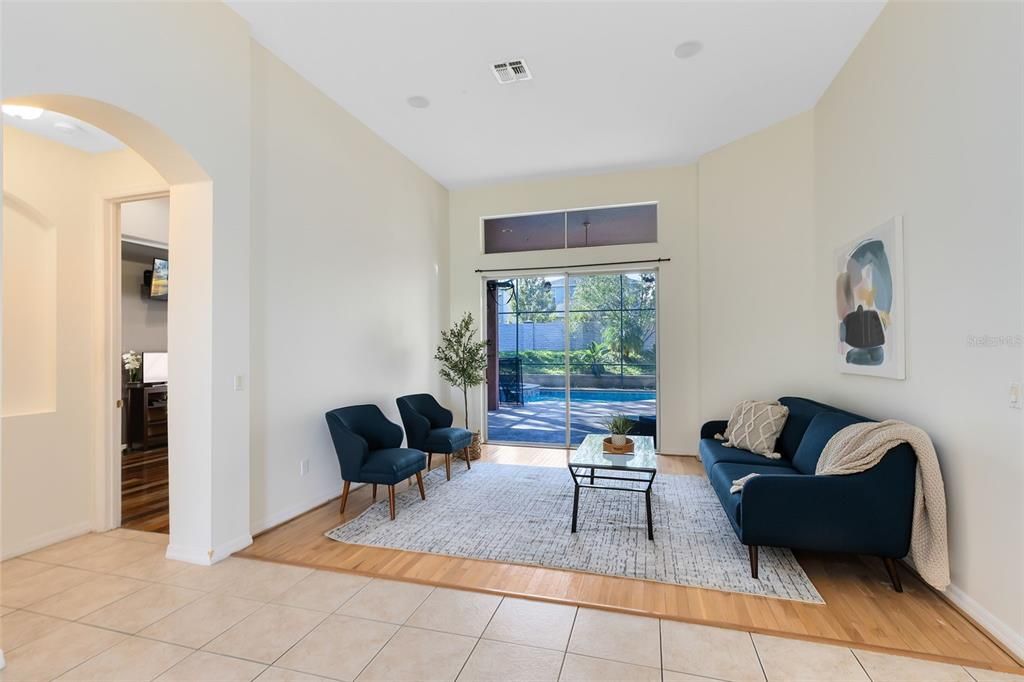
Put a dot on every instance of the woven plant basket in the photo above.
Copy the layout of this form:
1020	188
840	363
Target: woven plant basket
474	449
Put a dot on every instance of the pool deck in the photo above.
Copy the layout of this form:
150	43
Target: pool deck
543	421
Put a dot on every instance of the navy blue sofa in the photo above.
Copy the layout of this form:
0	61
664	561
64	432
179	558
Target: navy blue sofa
788	506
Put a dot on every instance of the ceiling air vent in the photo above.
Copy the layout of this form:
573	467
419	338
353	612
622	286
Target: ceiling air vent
511	71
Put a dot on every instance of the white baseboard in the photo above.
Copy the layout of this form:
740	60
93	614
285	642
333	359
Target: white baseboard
226	549
297	509
1007	636
46	539
208	557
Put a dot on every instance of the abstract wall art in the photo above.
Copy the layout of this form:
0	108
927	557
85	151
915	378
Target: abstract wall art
870	315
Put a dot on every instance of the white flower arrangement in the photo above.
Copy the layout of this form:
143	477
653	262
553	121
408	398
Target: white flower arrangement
132	362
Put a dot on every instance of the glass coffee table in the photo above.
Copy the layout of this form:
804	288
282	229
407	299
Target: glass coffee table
590	464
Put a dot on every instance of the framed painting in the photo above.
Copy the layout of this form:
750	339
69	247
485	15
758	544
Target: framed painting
871	319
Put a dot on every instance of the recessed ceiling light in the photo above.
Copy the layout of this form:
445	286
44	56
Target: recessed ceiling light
22	112
688	49
418	102
65	126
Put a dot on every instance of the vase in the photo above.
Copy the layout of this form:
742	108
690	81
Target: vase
618	439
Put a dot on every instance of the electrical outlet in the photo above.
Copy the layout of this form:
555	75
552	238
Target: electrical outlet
303	467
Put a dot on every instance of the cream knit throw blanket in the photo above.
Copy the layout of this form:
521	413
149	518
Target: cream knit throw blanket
861	446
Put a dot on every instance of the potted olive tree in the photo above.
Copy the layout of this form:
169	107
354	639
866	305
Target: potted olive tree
463	363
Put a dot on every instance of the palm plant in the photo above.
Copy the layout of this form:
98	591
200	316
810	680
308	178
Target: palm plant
594	355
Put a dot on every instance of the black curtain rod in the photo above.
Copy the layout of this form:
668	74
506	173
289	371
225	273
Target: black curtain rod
583	265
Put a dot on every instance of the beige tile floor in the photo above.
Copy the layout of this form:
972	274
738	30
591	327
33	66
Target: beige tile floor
110	607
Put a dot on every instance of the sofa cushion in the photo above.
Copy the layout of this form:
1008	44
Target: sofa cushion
712	452
801	412
725	473
755	426
448	440
823	426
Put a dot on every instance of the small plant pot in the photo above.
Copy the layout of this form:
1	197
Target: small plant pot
618	439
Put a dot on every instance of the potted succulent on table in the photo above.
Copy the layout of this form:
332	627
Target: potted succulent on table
618	426
463	363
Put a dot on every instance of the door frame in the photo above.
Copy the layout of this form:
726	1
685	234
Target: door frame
566	273
108	464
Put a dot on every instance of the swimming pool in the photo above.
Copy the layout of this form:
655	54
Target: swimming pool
590	395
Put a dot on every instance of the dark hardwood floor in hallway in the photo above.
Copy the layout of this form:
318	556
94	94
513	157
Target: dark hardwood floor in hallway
145	502
861	609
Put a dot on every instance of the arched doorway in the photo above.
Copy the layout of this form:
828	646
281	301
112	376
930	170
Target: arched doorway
190	338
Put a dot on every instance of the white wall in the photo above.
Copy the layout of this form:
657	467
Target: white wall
924	121
146	221
29	309
182	101
675	190
47	452
348	291
756	278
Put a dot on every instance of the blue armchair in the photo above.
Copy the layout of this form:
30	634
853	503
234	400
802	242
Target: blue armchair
368	449
428	427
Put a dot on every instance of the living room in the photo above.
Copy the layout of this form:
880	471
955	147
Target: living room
328	224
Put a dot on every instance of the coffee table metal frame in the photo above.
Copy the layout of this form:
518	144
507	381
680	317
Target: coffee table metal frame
641	484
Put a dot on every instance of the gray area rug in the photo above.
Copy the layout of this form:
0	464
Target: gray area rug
522	514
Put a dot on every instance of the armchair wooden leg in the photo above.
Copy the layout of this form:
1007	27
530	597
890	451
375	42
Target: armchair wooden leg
344	496
374	492
753	561
465	452
391	500
419	482
448	465
894	576
430	458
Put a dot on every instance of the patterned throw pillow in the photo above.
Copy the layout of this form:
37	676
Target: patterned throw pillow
755	425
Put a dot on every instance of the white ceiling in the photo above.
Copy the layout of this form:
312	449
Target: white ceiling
67	130
607	92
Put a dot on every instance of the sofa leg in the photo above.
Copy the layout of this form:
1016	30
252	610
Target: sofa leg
894	576
419	482
448	465
465	452
374	492
344	496
391	500
430	458
753	561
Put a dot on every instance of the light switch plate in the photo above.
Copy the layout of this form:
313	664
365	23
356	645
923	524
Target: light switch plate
239	382
1015	395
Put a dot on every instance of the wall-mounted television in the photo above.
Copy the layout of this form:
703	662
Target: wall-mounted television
158	283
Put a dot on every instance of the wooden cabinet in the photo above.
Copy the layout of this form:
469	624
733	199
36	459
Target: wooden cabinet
147	416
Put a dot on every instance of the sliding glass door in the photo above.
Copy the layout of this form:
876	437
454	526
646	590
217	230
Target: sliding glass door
569	351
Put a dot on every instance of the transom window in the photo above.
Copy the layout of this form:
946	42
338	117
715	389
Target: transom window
610	226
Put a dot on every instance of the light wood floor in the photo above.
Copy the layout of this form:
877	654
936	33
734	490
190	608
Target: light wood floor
861	609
